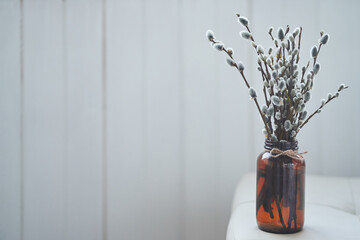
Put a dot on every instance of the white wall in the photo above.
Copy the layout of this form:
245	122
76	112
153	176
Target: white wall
118	120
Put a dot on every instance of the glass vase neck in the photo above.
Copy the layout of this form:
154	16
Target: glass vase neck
283	145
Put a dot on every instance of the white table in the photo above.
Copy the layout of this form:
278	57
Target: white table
332	210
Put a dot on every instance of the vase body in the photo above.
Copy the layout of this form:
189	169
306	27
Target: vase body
280	191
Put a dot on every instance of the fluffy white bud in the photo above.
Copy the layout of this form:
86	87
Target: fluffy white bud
210	35
252	92
264	109
268	61
241	66
245	34
230	51
291	38
303	115
270	111
322	102
282	85
230	62
314	52
219	46
275	100
244	21
296	32
324	39
287	125
316	68
271	82
277	115
274	74
281	34
341	87
293	133
260	49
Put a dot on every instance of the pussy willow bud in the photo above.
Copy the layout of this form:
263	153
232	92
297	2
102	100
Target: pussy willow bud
341	87
241	66
287	125
314	52
244	21
303	115
322	102
230	51
271	29
260	49
252	92
245	34
264	109
296	32
316	68
210	35
219	46
275	100
230	62
281	34
324	39
277	115
293	133
282	85
270	111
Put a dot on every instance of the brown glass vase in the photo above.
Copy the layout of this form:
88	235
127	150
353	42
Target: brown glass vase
280	191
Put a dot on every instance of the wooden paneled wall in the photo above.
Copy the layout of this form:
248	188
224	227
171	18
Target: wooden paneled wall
118	120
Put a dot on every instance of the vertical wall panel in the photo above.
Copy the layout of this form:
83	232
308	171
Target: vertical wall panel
339	120
201	88
127	196
44	143
233	110
83	49
10	107
162	119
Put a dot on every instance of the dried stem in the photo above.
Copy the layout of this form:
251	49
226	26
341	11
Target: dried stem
248	86
272	38
303	72
256	102
298	55
316	111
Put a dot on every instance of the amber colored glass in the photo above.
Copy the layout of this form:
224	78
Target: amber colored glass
280	190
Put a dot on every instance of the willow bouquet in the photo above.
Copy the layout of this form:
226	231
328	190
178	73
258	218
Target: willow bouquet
286	85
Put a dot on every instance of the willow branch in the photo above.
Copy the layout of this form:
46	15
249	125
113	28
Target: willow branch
303	72
256	102
317	111
298	55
